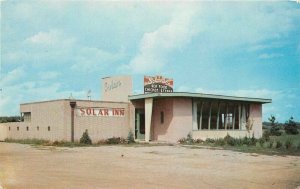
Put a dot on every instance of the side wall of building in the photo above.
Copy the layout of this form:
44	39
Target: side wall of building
52	121
3	131
255	119
46	122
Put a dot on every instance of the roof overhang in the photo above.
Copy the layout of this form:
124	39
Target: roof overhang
198	95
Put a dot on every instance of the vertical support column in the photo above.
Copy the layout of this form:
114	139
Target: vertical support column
73	105
200	121
148	117
209	117
240	114
218	116
195	124
225	117
233	116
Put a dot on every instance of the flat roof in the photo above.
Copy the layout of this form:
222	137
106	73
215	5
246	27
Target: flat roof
77	100
198	95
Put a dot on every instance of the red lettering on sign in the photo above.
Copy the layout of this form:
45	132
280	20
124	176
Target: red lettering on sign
115	112
122	112
88	111
82	111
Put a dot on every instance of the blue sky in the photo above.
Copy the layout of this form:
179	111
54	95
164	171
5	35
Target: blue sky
50	49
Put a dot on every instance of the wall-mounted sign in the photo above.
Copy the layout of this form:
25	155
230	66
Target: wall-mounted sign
157	84
116	88
111	85
100	112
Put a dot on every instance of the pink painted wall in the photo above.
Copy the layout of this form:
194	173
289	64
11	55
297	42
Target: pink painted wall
177	119
256	118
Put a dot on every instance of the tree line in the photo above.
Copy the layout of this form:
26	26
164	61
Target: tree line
5	119
276	129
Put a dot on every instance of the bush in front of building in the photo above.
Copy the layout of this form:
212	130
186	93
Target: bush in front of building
115	140
189	140
230	140
33	141
85	139
130	137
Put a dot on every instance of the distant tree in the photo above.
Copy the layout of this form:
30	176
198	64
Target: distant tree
290	127
6	119
275	128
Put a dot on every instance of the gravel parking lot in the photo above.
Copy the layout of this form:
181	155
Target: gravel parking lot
25	166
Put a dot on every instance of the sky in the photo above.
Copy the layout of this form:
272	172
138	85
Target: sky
51	49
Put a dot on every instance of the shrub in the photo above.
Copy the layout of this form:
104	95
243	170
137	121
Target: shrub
267	144
288	143
220	142
247	141
85	139
290	127
275	131
182	140
199	141
189	139
275	128
278	144
258	144
266	135
115	140
261	140
209	140
229	140
130	137
33	141
55	143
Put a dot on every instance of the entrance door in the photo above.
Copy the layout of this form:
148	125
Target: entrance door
140	124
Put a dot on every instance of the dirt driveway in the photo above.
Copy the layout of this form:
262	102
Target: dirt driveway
24	166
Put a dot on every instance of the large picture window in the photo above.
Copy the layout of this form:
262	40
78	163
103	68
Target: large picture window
220	115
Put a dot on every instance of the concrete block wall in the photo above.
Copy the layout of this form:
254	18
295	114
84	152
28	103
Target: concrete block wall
100	128
43	115
57	115
3	131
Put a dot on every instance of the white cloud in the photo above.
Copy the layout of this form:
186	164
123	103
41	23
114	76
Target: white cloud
49	75
12	76
155	46
52	38
31	91
91	59
269	56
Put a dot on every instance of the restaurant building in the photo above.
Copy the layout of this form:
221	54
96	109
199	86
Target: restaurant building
157	115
